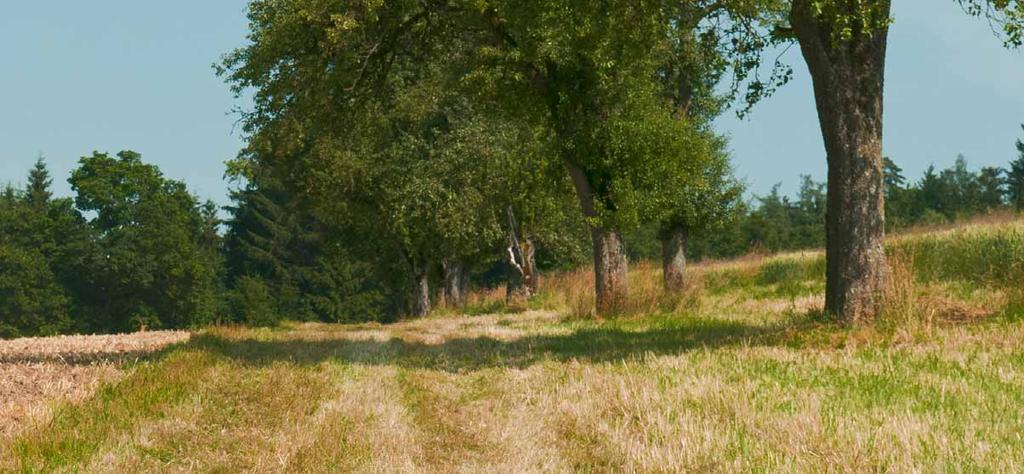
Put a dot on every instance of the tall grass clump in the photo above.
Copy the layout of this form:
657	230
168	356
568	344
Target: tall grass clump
1014	309
785	270
901	310
990	256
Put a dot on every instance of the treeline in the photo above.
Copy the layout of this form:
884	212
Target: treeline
775	222
131	250
134	249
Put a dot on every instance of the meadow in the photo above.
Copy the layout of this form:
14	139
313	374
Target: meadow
742	372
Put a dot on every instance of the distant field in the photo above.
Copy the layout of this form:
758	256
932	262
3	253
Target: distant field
739	374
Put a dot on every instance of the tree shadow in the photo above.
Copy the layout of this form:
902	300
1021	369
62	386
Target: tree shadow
599	344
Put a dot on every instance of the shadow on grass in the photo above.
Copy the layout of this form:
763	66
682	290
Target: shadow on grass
599	344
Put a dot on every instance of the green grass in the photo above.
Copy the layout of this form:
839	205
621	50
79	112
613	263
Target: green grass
748	378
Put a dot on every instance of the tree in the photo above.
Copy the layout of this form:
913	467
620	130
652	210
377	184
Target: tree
1015	178
32	302
898	196
157	267
844	46
592	82
278	251
691	75
599	84
709	206
38	193
991	188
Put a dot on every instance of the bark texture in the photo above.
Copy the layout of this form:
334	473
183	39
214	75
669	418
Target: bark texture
421	295
611	264
848	77
673	259
456	283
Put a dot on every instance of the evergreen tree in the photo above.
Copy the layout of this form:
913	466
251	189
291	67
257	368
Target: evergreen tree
38	191
32	300
285	263
931	197
1015	178
898	196
992	188
963	190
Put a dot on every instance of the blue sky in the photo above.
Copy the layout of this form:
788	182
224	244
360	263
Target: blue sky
117	74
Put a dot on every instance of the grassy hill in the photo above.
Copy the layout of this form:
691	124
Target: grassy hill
740	373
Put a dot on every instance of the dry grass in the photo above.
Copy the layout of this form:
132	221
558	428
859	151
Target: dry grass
84	349
37	373
738	374
527	393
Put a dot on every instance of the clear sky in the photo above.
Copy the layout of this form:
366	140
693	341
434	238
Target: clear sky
123	74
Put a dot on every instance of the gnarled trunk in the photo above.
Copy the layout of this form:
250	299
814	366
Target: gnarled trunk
673	258
611	267
421	292
848	77
611	264
522	283
456	283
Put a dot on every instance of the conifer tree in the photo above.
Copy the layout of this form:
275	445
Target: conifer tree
38	191
1015	178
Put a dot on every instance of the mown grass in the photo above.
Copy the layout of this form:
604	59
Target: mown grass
741	373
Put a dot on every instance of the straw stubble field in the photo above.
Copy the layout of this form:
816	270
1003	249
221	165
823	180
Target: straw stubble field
37	373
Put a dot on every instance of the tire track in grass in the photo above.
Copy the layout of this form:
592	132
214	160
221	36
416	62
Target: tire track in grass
451	441
233	423
364	428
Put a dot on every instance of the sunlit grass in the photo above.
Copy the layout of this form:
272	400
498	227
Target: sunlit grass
740	373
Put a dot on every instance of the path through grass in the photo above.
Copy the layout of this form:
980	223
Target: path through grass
742	378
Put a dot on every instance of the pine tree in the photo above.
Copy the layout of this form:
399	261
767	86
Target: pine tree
38	192
1015	178
993	188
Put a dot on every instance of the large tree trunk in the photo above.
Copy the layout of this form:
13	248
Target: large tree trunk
848	77
456	283
421	295
611	267
673	259
611	264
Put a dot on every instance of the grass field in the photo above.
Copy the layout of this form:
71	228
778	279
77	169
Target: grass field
739	374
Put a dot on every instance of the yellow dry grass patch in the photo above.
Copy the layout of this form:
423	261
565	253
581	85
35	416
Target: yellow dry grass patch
739	374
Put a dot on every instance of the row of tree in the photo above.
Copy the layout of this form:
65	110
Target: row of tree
134	249
775	222
360	104
391	139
